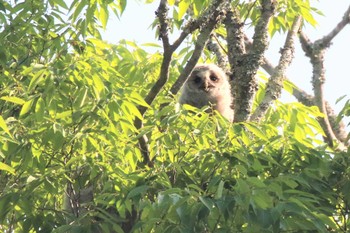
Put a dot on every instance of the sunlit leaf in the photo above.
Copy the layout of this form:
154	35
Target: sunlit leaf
3	126
37	78
171	2
104	15
26	107
13	99
7	168
183	6
40	108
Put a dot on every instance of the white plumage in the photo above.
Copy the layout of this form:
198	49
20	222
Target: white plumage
208	85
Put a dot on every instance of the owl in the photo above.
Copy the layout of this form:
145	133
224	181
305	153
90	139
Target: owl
208	85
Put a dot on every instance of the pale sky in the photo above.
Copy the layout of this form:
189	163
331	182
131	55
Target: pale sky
135	24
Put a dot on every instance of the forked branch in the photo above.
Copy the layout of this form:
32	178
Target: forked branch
316	51
244	67
206	24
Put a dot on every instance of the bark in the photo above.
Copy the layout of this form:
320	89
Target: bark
316	51
236	50
316	55
275	84
244	67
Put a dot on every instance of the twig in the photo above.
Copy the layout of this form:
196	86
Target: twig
217	50
326	40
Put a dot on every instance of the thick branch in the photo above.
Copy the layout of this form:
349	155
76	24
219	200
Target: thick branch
275	84
162	14
235	39
316	55
248	65
236	47
315	51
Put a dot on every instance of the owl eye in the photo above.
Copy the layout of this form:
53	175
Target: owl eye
213	78
197	79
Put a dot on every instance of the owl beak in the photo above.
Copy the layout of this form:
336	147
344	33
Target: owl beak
207	86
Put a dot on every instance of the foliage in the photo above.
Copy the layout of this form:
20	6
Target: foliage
68	102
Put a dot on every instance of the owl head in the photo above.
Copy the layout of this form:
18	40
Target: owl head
207	79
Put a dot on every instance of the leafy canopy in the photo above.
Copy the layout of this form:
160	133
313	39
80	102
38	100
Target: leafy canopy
68	103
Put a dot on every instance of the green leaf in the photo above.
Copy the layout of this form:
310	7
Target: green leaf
152	45
255	182
220	189
137	191
103	16
26	107
262	199
78	9
81	97
291	183
131	109
136	97
98	85
256	131
61	3
7	168
37	78
171	2
183	6
13	99
40	109
4	127
207	202
289	86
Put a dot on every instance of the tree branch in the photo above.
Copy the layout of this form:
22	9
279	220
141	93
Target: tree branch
235	39
275	84
215	16
316	55
244	69
326	40
215	48
207	22
308	100
315	51
235	48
